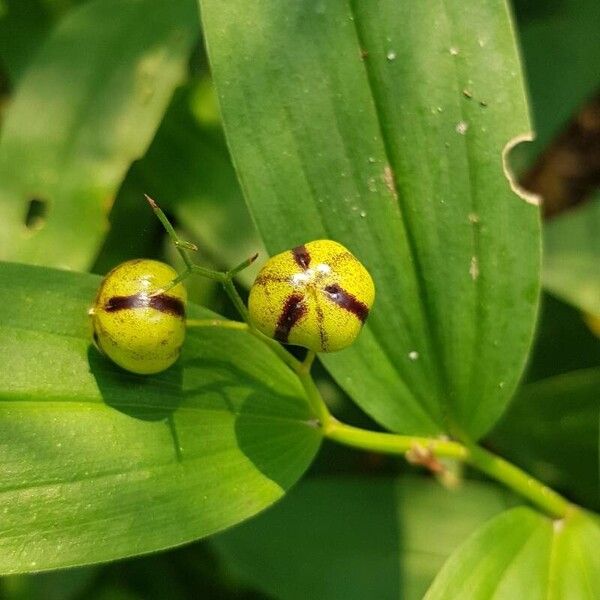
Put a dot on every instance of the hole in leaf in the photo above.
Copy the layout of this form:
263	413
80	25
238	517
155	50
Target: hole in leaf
37	213
524	194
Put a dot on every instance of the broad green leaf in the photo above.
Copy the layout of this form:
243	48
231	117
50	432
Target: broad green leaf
385	125
87	107
575	562
357	538
522	554
97	463
551	429
572	257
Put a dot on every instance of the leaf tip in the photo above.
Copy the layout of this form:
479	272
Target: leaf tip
151	202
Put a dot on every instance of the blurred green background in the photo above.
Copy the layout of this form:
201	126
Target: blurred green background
160	134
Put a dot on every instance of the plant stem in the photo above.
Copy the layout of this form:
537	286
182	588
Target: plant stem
391	443
205	272
223	323
518	480
495	467
179	244
224	277
315	399
235	297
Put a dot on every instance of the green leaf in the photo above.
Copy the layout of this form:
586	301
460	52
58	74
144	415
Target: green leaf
522	554
572	257
551	429
86	108
98	463
578	349
384	125
68	584
23	26
562	60
357	538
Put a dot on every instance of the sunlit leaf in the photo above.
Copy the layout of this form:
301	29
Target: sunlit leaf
97	463
87	107
522	554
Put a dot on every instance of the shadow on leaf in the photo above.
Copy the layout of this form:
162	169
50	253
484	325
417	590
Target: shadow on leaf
145	397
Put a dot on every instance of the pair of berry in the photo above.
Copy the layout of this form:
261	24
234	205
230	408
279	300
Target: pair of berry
317	295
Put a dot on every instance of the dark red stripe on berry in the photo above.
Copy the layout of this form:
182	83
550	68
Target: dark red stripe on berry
346	301
161	302
301	256
294	309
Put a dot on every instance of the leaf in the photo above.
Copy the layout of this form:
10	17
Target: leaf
69	584
578	347
384	126
23	26
562	60
551	429
356	538
572	256
522	554
87	107
97	463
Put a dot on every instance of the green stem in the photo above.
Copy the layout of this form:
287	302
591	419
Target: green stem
519	481
235	297
391	443
302	369
312	391
222	323
180	245
208	273
483	460
291	361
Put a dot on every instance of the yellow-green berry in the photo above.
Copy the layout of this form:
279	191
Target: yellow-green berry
317	295
140	330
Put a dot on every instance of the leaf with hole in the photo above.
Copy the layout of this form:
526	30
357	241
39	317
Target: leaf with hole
86	108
